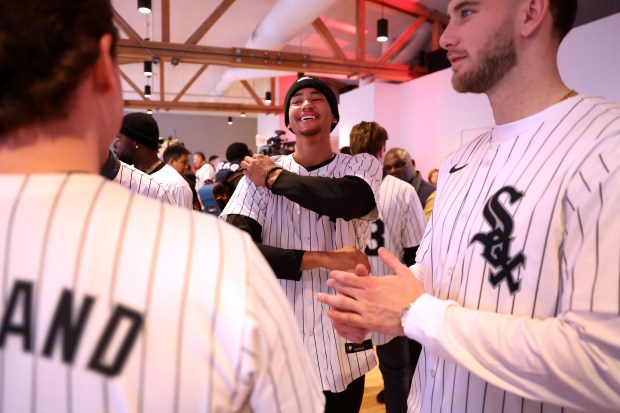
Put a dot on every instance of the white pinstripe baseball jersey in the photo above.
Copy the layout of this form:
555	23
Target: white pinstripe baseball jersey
525	229
400	225
286	224
176	185
139	182
113	303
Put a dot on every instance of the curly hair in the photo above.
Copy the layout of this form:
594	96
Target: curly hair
46	47
368	137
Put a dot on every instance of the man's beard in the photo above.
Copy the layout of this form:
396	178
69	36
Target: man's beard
495	63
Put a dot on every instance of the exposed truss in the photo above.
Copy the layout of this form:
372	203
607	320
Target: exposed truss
135	49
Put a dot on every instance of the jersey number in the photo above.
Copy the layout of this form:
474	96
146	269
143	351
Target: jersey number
376	238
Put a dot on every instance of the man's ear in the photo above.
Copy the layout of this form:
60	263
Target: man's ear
104	69
532	15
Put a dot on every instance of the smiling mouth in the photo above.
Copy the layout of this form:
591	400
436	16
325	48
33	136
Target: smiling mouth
308	117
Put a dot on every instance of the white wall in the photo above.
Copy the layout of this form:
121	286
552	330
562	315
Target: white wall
208	134
589	58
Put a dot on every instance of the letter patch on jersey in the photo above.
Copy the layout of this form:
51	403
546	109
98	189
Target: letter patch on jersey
356	347
497	241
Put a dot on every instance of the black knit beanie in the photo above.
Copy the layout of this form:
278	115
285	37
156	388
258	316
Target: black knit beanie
142	128
313	82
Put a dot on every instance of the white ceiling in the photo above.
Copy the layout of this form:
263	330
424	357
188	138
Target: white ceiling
235	27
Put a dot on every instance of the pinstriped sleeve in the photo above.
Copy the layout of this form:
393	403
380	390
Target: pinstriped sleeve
247	200
275	363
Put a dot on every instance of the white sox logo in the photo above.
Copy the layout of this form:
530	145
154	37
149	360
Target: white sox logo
497	241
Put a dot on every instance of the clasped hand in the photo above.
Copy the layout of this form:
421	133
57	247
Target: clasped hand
255	167
364	303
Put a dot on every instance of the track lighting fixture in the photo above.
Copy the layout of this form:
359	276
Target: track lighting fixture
144	6
382	30
148	68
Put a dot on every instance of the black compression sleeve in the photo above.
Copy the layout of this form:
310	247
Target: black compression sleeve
347	197
111	167
409	257
285	263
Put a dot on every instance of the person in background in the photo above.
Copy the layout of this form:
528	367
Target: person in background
432	176
205	174
399	228
515	295
111	301
137	144
235	154
198	159
398	163
177	156
216	162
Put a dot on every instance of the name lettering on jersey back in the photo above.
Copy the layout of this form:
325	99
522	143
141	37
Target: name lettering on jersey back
497	241
66	329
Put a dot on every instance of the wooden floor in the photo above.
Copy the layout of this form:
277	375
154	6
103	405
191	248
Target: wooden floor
374	384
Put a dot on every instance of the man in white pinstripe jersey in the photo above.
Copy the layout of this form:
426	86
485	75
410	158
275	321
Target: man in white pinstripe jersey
135	180
399	229
310	212
111	302
518	300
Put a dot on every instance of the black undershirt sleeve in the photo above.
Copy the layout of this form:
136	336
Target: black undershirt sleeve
348	197
285	263
409	256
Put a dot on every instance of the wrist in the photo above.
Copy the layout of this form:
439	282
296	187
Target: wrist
404	314
271	175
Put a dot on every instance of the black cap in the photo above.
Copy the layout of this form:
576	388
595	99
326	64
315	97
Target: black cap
142	128
313	82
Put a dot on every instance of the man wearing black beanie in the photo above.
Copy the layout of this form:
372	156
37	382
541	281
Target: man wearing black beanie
310	212
137	144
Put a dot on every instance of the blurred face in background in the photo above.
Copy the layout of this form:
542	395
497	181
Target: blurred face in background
181	164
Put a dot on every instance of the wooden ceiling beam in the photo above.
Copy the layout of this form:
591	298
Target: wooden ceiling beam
262	59
165	20
190	83
402	39
124	26
209	22
328	39
131	83
203	106
360	29
252	92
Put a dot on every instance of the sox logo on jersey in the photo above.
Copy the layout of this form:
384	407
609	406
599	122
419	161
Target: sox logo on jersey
497	241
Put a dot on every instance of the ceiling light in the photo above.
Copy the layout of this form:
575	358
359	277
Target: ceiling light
230	120
147	91
268	97
382	30
243	114
149	111
148	68
144	6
